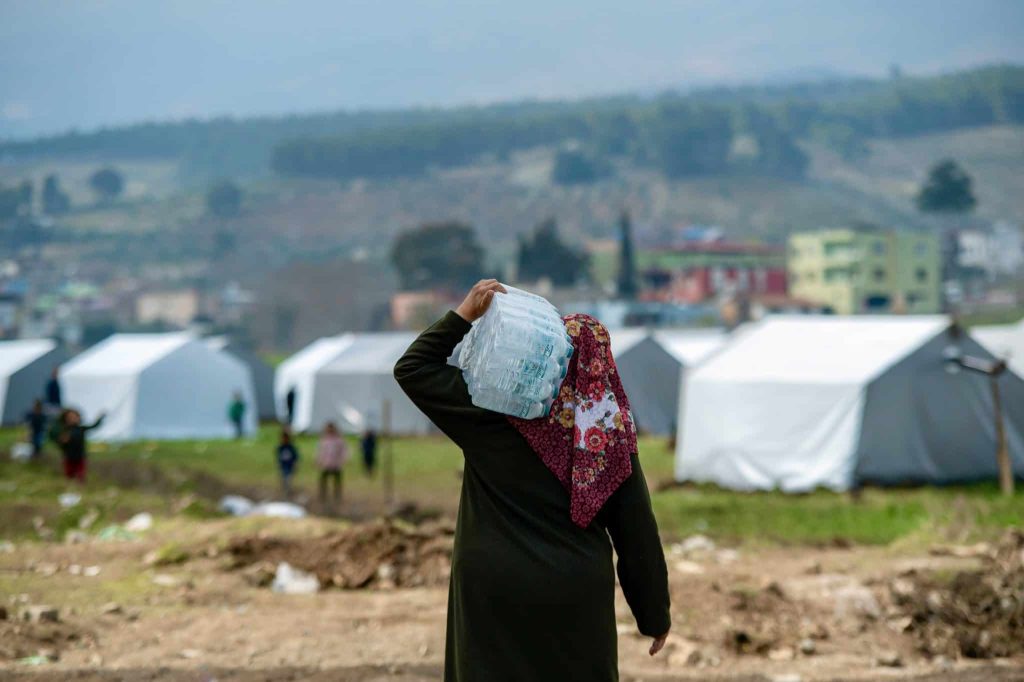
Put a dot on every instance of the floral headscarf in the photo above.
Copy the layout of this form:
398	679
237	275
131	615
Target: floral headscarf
588	437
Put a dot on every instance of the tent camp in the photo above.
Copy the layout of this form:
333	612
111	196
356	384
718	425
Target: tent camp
353	388
651	365
800	402
298	372
162	386
262	374
25	366
1005	342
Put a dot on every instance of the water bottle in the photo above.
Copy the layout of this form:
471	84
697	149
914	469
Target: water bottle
516	355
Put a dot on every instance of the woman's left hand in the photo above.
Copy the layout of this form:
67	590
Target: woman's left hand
658	644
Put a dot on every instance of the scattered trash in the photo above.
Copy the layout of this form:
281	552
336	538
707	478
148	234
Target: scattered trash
695	544
889	659
688	567
40	613
91	571
68	500
284	510
191	653
289	580
75	537
88	519
808	647
236	505
165	580
21	452
34	660
6	547
111	608
139	523
115	533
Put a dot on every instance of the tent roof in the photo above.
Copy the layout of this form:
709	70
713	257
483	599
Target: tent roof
127	353
690	346
624	338
317	354
820	349
1004	341
15	355
372	353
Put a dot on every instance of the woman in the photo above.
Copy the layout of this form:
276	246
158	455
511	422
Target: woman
331	455
532	586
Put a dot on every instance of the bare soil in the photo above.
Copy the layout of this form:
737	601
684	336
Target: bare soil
829	613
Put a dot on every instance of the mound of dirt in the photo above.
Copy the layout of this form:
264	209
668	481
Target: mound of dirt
19	639
375	555
977	614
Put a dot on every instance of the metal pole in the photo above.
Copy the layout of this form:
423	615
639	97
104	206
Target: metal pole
389	454
1002	449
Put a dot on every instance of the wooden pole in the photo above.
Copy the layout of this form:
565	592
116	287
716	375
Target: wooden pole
389	454
1006	483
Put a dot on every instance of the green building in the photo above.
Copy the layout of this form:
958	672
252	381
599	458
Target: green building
866	270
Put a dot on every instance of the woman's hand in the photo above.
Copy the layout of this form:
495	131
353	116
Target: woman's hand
478	299
658	644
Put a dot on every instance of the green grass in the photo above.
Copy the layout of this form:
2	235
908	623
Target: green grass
161	477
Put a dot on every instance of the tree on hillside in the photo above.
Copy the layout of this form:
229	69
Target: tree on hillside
574	167
627	260
438	254
948	189
55	200
543	254
107	183
15	201
224	199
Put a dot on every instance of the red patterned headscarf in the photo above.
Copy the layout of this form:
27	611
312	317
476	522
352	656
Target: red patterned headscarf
588	438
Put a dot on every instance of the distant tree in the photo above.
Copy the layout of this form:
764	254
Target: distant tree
574	167
543	254
55	201
15	201
107	183
627	286
948	189
437	254
224	199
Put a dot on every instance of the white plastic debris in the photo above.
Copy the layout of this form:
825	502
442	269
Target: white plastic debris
21	452
284	510
139	523
68	500
236	505
290	580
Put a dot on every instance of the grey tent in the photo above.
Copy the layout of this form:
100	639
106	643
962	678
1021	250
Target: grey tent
262	374
652	364
25	367
799	402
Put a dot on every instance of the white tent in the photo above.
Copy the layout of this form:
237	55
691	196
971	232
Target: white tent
25	366
298	372
1004	341
163	386
262	374
651	366
801	402
353	388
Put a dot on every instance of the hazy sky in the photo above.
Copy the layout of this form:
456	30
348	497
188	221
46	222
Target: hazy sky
86	63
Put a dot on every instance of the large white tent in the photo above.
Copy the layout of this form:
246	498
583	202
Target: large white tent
298	373
652	365
1005	342
354	388
161	386
262	373
25	366
800	402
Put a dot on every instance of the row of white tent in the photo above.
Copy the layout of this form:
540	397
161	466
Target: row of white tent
789	402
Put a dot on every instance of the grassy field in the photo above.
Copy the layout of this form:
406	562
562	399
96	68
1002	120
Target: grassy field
188	477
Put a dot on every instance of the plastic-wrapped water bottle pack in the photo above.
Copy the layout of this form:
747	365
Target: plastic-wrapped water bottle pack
516	355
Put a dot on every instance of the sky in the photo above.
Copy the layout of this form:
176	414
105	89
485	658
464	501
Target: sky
88	63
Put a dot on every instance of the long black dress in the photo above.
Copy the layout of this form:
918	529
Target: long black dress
531	595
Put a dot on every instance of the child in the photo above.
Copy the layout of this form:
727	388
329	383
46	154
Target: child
35	419
236	413
369	445
287	460
331	455
69	434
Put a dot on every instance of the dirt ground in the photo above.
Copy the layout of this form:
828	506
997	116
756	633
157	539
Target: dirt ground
191	602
